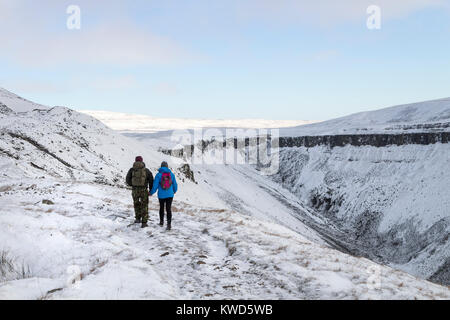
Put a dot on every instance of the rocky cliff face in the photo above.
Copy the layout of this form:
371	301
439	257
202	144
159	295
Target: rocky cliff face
330	141
376	140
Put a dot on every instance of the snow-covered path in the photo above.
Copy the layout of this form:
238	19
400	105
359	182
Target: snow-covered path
210	253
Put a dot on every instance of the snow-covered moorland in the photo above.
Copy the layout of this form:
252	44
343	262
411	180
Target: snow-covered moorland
66	233
414	117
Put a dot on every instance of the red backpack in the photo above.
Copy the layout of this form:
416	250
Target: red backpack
166	180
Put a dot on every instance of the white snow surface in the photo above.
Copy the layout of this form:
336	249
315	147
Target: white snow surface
16	103
403	187
367	178
86	247
387	120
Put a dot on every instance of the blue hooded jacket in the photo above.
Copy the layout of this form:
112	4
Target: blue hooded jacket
163	194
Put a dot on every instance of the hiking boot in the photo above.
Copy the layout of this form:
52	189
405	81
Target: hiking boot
137	221
161	223
144	225
169	227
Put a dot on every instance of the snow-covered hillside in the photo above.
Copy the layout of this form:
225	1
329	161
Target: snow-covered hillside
391	202
65	229
415	117
16	103
126	122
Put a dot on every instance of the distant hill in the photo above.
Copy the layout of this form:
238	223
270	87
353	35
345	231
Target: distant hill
433	114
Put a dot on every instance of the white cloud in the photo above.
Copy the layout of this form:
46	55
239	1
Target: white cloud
30	36
108	44
329	12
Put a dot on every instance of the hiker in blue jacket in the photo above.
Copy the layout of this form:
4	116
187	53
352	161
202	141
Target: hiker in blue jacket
167	186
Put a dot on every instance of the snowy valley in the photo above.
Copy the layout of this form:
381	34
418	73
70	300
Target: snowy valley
66	218
374	184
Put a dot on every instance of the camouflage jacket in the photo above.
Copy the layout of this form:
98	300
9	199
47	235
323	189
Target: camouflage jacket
149	178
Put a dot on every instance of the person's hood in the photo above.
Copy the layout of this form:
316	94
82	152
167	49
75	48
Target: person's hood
164	170
138	165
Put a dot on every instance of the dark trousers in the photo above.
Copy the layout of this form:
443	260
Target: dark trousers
168	203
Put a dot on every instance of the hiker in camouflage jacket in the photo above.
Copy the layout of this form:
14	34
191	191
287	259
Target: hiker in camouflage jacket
141	180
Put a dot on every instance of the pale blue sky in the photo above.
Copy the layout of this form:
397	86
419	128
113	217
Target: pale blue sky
287	59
